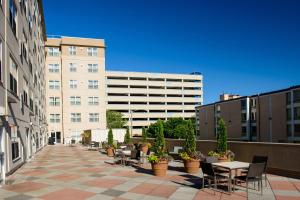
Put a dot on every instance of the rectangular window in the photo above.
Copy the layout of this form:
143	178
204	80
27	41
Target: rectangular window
54	118
72	67
25	92
75	117
288	114
54	101
297	113
243	104
93	100
13	16
53	51
296	96
243	117
92	51
73	84
94	117
53	68
93	84
13	77
289	130
72	50
297	130
15	153
1	61
253	116
54	85
75	100
288	97
93	68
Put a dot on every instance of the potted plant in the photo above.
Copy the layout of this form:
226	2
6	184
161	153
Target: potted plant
191	158
144	145
159	159
110	144
127	139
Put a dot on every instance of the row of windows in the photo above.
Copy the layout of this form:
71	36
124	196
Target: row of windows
54	51
54	68
152	79
74	117
296	97
296	113
55	85
74	100
153	87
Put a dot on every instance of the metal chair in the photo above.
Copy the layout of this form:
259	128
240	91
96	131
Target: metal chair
260	159
210	175
213	159
254	174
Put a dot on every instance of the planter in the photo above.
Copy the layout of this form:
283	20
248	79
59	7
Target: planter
110	152
223	159
191	166
160	168
144	148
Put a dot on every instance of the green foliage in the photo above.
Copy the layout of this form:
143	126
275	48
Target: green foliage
127	139
144	135
222	137
213	153
110	138
190	140
114	119
160	143
153	158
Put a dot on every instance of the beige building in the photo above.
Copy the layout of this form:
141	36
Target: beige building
75	86
266	117
225	97
143	98
22	87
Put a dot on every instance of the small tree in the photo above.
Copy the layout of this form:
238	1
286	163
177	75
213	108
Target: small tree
110	138
127	139
144	135
222	137
190	141
160	143
114	119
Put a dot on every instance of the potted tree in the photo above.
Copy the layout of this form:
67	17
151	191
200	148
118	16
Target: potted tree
110	144
191	158
144	145
159	159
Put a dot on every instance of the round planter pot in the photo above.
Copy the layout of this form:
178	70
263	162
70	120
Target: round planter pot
144	149
223	159
160	168
191	166
110	152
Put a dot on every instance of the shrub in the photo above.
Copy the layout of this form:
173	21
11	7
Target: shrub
110	138
127	139
222	137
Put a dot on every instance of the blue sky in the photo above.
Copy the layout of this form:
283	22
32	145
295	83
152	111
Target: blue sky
242	47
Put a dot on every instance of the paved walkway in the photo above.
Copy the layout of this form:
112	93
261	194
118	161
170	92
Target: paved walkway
71	173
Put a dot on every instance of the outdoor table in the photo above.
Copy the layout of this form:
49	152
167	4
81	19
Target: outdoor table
234	165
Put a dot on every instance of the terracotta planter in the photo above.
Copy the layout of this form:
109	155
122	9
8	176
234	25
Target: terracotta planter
223	159
160	168
191	166
110	152
144	149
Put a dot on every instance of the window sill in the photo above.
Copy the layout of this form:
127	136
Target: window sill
16	159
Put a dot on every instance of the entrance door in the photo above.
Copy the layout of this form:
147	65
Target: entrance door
58	137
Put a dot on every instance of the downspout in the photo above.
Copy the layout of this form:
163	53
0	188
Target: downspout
258	107
62	103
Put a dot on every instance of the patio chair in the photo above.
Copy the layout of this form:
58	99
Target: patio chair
260	159
213	159
254	174
209	174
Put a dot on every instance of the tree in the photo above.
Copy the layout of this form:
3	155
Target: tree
127	139
114	119
222	137
160	143
110	138
190	140
144	135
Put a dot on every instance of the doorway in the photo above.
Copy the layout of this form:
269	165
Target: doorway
56	136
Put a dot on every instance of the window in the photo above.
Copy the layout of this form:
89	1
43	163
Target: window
243	104
93	68
296	96
92	51
93	100
53	51
288	97
93	84
297	130
75	117
13	16
53	68
13	77
73	84
94	117
244	117
244	131
75	100
25	92
54	118
72	67
253	116
288	114
54	85
15	153
297	113
0	61
253	103
54	101
72	50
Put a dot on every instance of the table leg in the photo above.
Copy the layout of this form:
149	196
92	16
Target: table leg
229	184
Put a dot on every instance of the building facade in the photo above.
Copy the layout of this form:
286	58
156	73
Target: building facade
23	128
75	86
266	117
143	98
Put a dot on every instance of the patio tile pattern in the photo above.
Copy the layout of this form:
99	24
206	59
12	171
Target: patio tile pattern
60	172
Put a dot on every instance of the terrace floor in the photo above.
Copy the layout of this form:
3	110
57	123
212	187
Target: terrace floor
71	173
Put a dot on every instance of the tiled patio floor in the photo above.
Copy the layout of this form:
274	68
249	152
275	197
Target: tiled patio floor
72	173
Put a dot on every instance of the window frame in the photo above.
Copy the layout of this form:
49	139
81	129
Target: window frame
72	50
73	84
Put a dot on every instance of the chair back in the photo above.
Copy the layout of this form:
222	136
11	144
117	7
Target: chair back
207	168
260	159
255	170
211	159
